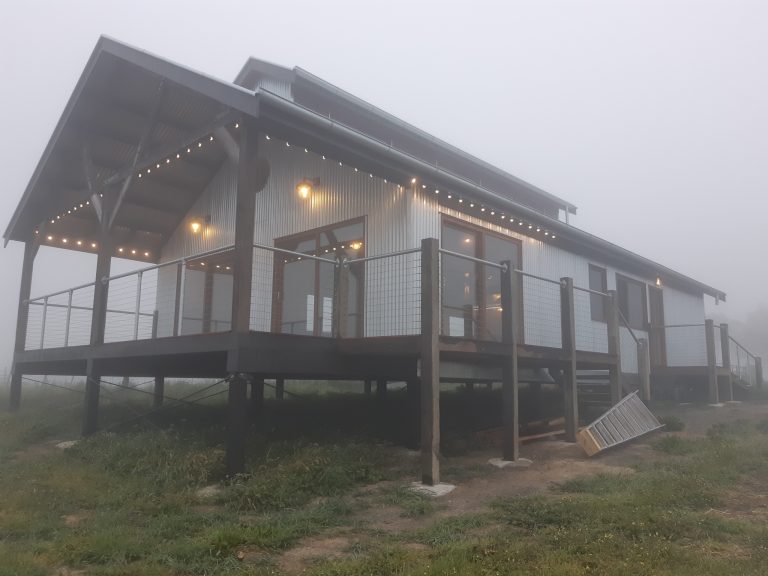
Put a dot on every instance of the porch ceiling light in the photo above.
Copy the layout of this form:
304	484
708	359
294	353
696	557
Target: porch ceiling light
304	188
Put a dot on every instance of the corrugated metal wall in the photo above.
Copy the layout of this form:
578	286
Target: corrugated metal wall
397	218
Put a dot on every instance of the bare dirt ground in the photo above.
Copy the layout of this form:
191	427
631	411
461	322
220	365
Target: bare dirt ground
554	462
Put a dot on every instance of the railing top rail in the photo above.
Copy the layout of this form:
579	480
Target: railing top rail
680	326
169	263
590	291
472	259
534	276
381	256
293	253
59	293
739	345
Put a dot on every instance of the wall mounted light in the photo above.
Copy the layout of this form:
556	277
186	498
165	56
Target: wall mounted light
304	188
196	225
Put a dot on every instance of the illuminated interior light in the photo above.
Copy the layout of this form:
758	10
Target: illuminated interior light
49	238
354	246
79	242
467	240
120	250
93	244
413	180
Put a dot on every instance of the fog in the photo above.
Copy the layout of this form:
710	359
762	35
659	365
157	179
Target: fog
651	117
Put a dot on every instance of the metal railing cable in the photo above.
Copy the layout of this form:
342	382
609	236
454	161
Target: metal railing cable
182	260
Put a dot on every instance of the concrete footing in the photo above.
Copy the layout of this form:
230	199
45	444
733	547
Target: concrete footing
432	491
519	463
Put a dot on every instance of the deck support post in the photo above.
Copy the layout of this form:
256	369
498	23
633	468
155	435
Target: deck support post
257	398
614	345
430	362
22	315
367	386
725	348
570	383
91	407
381	389
758	372
644	369
413	392
709	333
159	392
237	416
509	382
279	388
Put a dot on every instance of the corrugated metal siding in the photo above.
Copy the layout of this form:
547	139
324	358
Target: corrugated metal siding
686	345
279	87
342	194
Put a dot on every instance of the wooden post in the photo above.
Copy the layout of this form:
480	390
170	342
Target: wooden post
758	372
340	299
91	408
22	315
367	387
413	392
279	389
509	380
257	398
644	369
237	413
430	361
98	327
381	389
614	345
709	333
207	301
570	383
159	392
245	215
725	348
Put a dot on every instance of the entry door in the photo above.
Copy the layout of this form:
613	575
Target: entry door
471	291
658	343
303	294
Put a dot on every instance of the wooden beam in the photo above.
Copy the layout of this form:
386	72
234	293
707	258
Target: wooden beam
22	316
101	290
725	348
509	380
145	137
614	345
430	362
570	382
244	227
159	392
644	369
237	415
709	334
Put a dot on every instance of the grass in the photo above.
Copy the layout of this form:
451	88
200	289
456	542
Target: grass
127	501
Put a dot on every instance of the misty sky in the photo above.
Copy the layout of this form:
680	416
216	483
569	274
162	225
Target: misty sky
651	117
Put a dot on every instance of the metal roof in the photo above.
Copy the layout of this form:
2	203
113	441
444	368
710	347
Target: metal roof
113	105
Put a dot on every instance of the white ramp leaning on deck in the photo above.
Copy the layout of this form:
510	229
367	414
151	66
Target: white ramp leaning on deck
627	420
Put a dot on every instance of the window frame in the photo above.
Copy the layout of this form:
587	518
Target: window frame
478	232
602	316
625	311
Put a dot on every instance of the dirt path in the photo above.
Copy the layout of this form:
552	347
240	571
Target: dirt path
554	462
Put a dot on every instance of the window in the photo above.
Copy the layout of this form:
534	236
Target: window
471	291
304	287
598	281
632	301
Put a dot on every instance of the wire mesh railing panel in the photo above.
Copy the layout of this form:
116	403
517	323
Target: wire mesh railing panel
262	290
121	308
743	364
686	345
392	303
591	334
81	316
629	363
34	325
56	321
541	312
